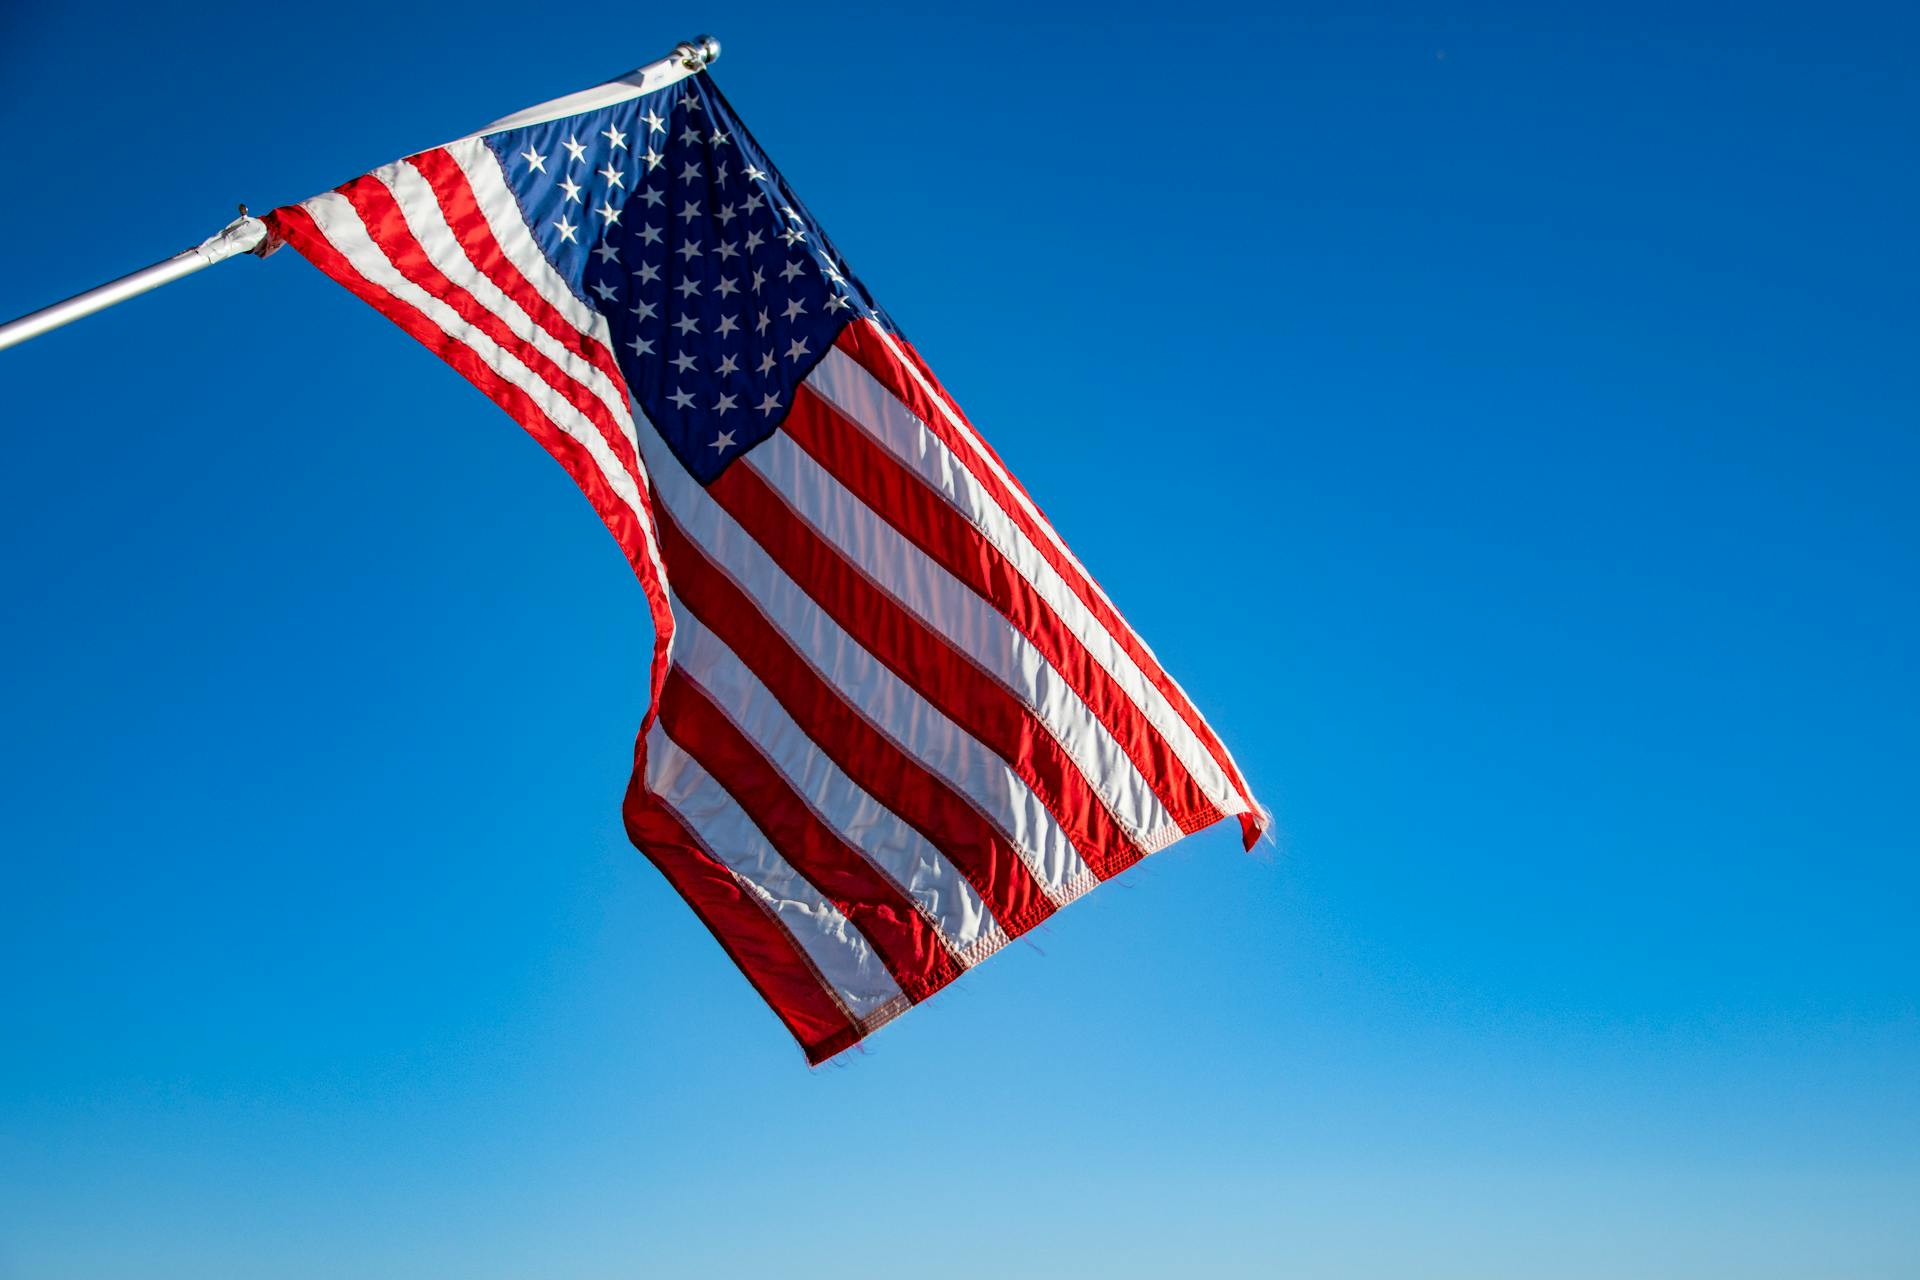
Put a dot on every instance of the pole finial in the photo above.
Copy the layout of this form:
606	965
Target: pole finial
698	53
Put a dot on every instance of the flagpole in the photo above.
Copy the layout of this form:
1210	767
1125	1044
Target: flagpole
241	235
246	234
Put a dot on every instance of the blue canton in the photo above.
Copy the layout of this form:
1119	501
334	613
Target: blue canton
720	290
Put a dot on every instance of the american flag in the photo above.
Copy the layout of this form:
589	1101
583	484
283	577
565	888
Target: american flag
895	723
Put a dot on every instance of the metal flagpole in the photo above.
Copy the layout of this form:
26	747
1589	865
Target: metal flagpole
245	233
239	236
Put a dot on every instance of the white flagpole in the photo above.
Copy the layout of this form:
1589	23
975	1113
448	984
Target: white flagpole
245	234
239	236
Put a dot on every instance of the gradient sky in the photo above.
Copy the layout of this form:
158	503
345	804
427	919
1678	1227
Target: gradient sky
1505	425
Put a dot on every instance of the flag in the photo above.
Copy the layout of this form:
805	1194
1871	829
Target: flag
894	722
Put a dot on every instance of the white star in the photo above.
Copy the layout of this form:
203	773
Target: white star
650	234
797	349
690	102
566	229
572	188
769	403
689	171
689	211
795	309
575	152
607	211
793	235
536	163
724	441
838	302
760	326
727	287
767	362
689	135
651	196
645	310
727	325
832	273
727	250
653	159
606	252
606	293
647	273
755	203
687	325
612	175
683	362
721	405
721	175
718	139
613	136
754	173
759	279
725	215
688	287
754	240
727	365
654	123
792	271
640	346
690	250
788	210
681	399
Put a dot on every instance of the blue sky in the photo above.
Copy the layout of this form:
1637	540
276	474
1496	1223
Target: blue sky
1503	423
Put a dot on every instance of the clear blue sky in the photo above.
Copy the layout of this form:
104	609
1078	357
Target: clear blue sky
1506	425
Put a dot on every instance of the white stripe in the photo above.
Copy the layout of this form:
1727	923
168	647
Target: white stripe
862	400
920	871
342	227
985	455
501	211
838	950
889	703
654	76
428	223
1243	799
953	610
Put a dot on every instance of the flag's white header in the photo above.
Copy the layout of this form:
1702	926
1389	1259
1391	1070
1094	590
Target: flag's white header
691	56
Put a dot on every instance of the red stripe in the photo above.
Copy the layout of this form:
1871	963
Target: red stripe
930	665
387	226
916	796
863	343
918	362
461	208
470	227
746	930
924	517
901	936
296	227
